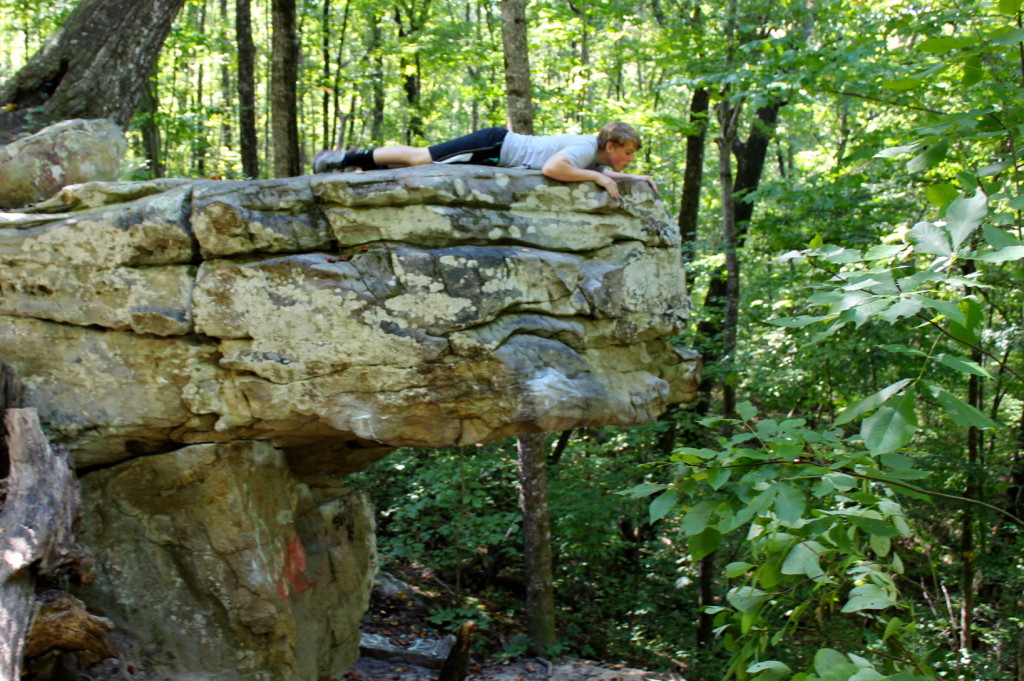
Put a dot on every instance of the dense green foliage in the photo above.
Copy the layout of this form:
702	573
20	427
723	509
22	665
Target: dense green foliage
863	507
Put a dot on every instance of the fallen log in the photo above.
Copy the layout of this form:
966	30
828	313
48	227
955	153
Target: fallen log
37	539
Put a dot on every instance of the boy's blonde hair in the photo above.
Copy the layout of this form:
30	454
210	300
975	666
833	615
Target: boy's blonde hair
618	133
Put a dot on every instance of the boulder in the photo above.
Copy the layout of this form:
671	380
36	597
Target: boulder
224	566
71	152
218	355
336	316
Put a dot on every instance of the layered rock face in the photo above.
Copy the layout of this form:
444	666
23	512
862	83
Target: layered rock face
219	354
426	307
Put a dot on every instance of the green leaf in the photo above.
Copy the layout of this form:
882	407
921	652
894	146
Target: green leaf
718	477
867	597
827	659
771	670
944	44
1010	7
880	545
929	238
804	559
697	518
948	309
892	426
747	598
1002	255
871	402
994	168
941	194
798	322
705	543
901	84
662	505
930	157
733	570
999	238
1008	37
643	490
964	215
883	251
962	413
746	410
962	364
789	503
874	526
891	627
903	307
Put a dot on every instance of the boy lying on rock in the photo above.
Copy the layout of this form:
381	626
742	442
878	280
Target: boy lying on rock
567	158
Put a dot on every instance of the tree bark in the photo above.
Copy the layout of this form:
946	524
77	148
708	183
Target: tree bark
533	499
151	143
518	87
246	89
693	175
284	102
95	66
39	516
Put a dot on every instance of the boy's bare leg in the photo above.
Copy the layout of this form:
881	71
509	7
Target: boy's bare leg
399	156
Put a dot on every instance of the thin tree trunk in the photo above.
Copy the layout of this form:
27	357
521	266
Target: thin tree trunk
693	175
284	76
200	145
518	87
533	499
96	65
226	133
246	89
729	119
151	143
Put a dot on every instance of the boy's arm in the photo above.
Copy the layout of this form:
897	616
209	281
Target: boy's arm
559	168
622	176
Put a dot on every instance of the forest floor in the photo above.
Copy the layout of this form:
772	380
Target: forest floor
400	613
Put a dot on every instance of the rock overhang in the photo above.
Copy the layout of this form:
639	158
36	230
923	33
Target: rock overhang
340	315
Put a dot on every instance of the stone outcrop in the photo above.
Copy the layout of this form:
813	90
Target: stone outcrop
218	354
342	313
71	152
226	567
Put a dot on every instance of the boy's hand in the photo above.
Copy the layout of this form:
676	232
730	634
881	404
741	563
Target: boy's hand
610	185
649	180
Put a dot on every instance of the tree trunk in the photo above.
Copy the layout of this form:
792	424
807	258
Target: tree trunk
151	143
693	175
750	157
96	66
246	89
283	98
518	88
533	499
729	117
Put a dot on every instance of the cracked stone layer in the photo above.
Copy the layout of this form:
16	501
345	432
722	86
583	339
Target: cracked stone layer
338	315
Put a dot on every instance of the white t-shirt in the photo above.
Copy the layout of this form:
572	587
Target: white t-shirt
518	151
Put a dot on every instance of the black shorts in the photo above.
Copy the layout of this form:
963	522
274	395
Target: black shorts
482	147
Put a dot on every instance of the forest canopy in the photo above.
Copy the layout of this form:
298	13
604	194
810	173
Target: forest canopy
845	499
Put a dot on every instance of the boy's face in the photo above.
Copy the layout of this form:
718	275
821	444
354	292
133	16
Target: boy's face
620	155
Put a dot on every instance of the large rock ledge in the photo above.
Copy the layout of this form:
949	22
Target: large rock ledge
258	340
338	315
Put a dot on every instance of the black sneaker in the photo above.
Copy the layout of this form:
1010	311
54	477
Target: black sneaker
332	160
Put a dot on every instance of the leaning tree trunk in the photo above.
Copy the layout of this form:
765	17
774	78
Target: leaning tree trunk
95	66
